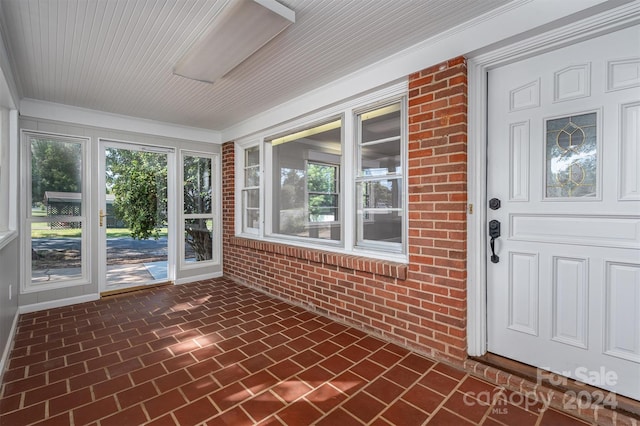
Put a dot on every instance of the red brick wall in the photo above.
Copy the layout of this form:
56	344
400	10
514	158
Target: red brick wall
421	305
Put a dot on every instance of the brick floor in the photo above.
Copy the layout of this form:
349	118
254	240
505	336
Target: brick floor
217	353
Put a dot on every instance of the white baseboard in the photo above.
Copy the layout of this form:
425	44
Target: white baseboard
198	278
57	303
9	344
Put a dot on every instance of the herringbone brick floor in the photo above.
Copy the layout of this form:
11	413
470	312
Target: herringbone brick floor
217	353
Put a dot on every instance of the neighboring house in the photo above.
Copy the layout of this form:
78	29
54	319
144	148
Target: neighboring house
477	193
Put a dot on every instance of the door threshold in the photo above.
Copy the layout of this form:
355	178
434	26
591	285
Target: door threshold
135	288
624	405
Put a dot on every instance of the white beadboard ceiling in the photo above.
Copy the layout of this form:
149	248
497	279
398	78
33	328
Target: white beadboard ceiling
117	56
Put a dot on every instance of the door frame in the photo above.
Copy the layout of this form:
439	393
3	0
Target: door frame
478	66
172	216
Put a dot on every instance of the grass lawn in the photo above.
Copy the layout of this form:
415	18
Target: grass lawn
41	230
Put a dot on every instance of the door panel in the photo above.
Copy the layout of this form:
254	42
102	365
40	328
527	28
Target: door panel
563	155
134	220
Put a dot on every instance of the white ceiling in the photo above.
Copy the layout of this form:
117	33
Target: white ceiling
117	56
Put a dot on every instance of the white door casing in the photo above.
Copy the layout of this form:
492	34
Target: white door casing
563	155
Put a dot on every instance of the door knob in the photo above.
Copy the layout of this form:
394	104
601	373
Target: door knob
494	232
101	216
494	203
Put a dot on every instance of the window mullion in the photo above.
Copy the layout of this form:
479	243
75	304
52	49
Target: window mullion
348	187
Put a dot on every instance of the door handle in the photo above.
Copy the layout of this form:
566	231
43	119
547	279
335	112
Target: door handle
494	232
102	216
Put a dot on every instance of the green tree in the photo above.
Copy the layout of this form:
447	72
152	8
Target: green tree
55	166
198	200
138	181
323	200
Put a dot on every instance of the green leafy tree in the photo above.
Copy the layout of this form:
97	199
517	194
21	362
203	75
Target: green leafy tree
55	166
197	200
138	181
321	182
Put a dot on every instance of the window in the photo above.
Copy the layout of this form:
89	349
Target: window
198	208
251	191
379	179
305	171
338	183
322	192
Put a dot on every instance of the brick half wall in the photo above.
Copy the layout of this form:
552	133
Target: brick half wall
422	304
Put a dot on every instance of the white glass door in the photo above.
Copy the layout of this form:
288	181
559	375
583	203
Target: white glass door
134	217
57	238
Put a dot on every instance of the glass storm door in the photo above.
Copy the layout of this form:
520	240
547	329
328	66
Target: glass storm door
134	216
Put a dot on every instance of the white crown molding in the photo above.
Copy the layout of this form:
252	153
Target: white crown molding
88	117
497	26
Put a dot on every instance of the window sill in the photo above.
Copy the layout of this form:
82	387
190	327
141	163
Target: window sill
381	267
6	237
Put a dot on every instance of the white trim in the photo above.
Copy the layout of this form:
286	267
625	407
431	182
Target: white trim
14	167
195	278
496	26
476	211
9	343
478	67
7	237
41	306
88	117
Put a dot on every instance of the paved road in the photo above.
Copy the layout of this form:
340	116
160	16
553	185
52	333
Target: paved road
119	245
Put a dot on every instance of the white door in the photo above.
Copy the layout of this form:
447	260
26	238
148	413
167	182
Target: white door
135	217
564	161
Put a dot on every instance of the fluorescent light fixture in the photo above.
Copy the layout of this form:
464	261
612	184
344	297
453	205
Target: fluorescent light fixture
381	111
239	30
307	132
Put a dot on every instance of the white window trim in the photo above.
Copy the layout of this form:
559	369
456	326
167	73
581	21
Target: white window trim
240	149
266	203
215	215
9	146
347	111
404	155
27	286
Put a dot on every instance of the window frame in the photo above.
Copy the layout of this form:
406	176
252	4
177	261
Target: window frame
347	183
361	179
9	146
267	204
337	194
241	218
27	284
214	215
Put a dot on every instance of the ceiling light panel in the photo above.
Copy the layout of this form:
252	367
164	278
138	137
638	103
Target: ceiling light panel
241	28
